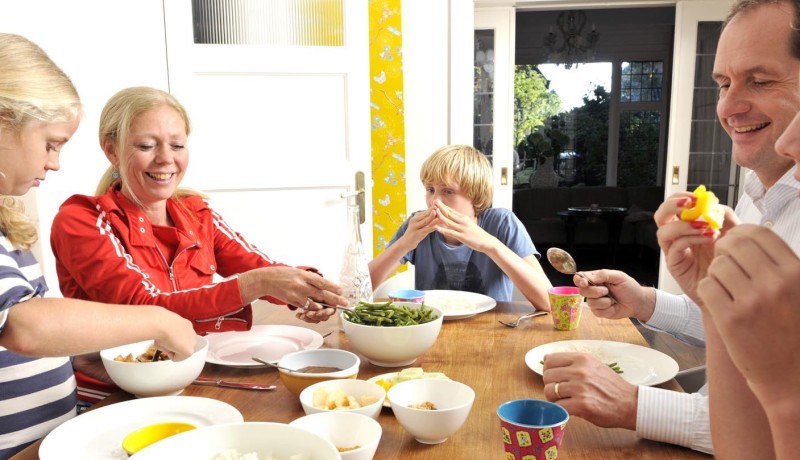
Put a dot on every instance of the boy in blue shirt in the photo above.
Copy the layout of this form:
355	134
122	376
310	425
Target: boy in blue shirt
460	243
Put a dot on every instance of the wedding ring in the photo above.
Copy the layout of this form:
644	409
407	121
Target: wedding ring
308	302
556	390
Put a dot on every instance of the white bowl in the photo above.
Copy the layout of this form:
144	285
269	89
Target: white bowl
264	438
345	430
160	378
348	362
393	346
452	400
352	387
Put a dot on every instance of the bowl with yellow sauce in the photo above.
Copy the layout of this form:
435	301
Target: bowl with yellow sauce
150	434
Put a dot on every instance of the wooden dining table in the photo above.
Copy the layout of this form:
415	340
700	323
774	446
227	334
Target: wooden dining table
478	351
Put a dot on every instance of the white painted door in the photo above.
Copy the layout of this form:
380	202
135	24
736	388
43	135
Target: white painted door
279	131
501	21
688	14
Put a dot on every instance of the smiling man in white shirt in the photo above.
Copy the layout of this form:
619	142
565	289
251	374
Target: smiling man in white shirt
758	80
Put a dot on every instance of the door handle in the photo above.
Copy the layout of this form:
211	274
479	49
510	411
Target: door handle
359	195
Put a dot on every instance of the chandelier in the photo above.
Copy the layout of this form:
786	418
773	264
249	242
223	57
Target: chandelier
574	47
484	58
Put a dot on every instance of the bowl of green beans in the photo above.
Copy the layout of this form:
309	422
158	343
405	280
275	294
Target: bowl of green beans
392	334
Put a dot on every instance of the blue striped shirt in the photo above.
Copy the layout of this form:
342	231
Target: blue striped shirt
36	394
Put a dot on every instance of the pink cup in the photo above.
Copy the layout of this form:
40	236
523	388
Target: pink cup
565	307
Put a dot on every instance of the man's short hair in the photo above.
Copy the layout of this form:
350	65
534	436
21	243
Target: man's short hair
743	6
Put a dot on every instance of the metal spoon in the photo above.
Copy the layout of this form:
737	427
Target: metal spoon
273	365
562	261
324	305
304	370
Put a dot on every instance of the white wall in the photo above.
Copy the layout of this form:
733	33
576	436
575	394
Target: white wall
425	86
437	78
87	40
108	45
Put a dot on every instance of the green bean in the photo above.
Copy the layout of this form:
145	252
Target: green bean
614	367
386	314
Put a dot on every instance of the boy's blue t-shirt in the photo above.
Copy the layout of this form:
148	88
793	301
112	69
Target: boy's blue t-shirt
438	265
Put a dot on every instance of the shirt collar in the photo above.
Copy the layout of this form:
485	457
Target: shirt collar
774	199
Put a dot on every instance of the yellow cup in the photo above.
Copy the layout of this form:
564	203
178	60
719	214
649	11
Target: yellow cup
565	307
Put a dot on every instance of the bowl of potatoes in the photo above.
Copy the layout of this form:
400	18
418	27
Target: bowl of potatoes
353	395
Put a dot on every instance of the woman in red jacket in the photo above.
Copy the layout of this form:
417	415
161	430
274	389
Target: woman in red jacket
142	240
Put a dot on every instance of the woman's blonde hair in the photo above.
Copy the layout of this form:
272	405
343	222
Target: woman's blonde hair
465	166
115	124
32	88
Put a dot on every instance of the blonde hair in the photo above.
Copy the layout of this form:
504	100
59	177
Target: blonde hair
32	88
465	166
115	124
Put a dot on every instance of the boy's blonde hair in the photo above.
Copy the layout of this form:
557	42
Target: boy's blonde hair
32	88
464	166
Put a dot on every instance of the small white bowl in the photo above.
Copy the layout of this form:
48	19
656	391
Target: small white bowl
345	430
348	362
452	400
393	346
160	378
352	387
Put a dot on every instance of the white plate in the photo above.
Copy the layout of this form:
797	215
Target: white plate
98	433
480	302
265	439
388	375
267	342
640	365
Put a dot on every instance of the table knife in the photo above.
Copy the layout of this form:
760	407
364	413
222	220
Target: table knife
227	384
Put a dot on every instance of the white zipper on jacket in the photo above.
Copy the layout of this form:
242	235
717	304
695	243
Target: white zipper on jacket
171	272
169	265
222	318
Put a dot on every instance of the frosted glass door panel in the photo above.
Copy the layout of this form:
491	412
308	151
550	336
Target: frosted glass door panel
273	22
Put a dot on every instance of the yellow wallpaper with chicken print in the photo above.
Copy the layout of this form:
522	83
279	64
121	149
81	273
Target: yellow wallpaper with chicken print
387	119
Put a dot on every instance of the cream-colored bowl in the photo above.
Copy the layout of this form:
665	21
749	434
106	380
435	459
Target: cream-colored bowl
452	401
350	387
348	362
160	378
355	435
393	346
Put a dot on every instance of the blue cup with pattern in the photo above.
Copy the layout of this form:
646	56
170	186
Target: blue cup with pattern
407	295
532	429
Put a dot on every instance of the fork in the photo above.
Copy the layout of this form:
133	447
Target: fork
525	316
